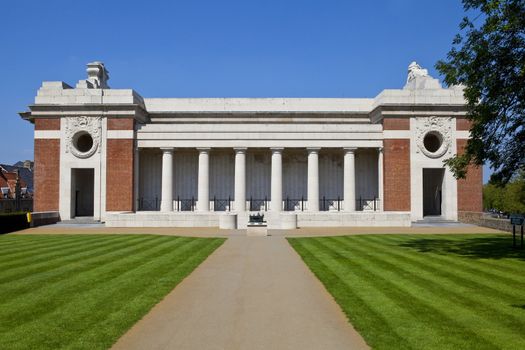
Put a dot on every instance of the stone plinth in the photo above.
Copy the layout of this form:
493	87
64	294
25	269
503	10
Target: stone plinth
228	221
288	221
254	230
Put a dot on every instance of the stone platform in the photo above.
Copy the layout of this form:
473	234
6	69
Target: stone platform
283	220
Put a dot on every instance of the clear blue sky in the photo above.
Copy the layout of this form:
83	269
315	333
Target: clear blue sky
264	48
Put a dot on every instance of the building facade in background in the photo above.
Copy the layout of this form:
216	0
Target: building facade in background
16	187
126	160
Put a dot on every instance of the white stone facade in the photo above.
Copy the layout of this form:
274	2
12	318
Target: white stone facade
301	161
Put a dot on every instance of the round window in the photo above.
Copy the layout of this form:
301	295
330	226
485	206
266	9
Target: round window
433	141
83	141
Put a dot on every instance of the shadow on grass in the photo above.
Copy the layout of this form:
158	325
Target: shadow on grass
490	247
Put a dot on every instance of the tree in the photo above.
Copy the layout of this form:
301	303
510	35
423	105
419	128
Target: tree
514	196
493	197
488	59
509	198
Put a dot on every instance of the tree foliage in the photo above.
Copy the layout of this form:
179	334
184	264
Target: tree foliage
488	59
509	198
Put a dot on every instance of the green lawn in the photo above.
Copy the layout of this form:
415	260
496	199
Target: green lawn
85	291
425	292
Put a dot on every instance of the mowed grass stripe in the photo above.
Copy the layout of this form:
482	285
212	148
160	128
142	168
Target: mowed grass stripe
177	267
23	257
50	253
20	242
390	302
111	278
78	263
460	271
423	276
441	285
68	282
492	267
386	299
56	266
10	254
501	261
353	288
401	288
107	298
66	251
78	286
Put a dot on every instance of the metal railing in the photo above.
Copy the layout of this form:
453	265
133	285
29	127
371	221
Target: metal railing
149	204
367	204
255	204
14	205
330	204
222	204
185	204
292	204
258	204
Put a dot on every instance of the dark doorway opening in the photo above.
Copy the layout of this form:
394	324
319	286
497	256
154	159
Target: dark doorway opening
432	191
83	191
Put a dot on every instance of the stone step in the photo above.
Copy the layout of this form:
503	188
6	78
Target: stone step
80	221
435	220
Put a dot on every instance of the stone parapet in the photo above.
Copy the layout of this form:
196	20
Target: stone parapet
482	219
44	218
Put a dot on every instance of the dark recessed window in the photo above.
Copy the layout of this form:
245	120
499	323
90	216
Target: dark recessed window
432	142
83	142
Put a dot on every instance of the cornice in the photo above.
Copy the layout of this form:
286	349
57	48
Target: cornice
135	111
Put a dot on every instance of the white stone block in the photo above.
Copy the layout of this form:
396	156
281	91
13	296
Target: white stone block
256	231
288	221
55	85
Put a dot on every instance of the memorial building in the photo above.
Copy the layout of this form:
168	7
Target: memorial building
126	160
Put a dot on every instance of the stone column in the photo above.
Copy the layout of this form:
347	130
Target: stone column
277	179
166	202
349	178
203	187
240	179
136	176
313	179
380	177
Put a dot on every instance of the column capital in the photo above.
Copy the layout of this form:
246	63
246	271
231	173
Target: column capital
167	149
277	149
203	149
380	149
350	149
313	149
240	149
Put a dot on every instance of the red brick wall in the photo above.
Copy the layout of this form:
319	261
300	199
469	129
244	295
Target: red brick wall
47	174
396	124
121	123
470	189
47	124
462	124
396	173
119	175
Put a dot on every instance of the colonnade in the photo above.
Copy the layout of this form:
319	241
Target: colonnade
276	203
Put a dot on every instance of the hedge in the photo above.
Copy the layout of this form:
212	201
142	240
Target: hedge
10	222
